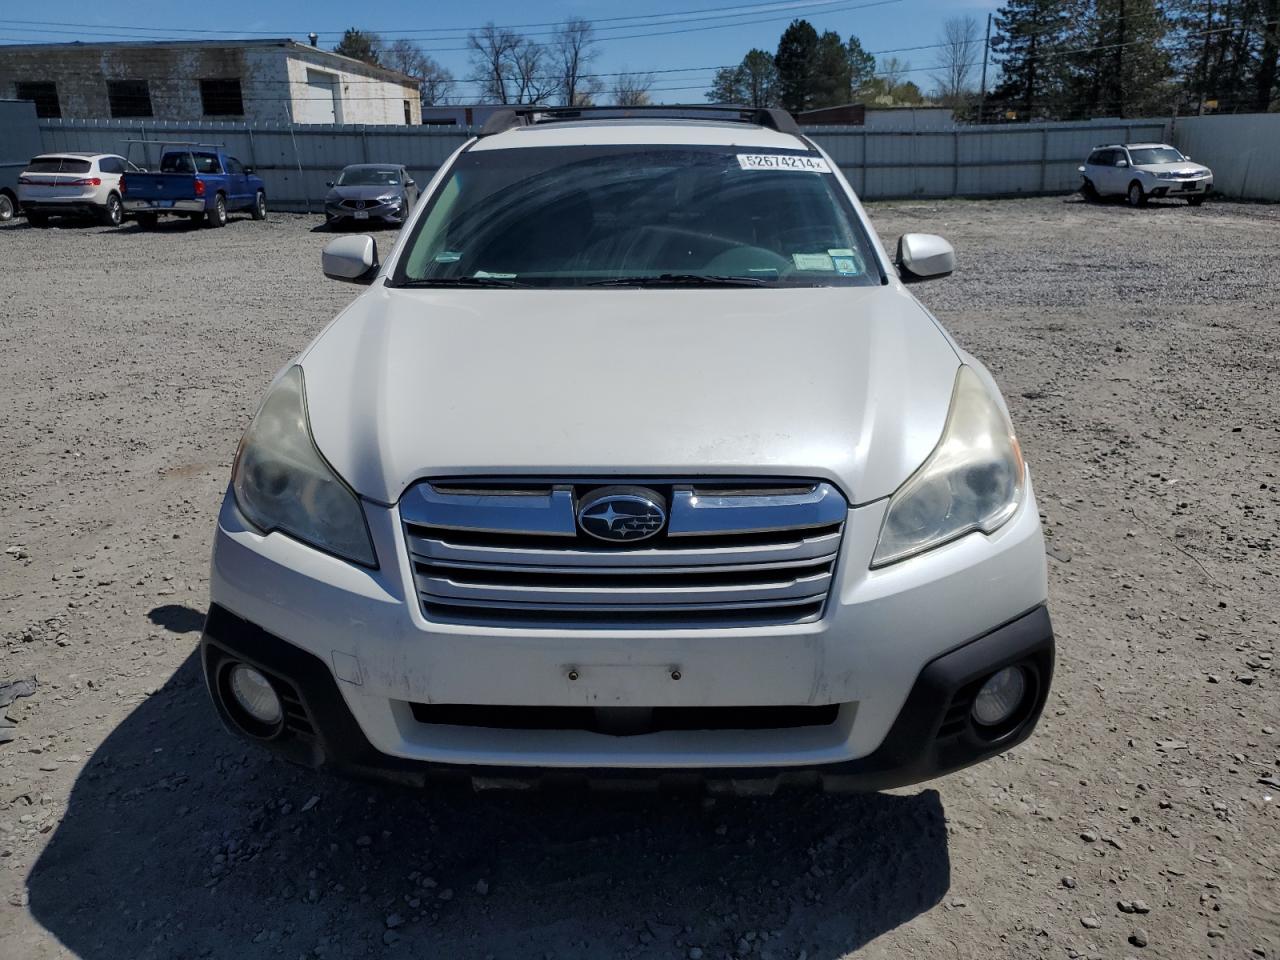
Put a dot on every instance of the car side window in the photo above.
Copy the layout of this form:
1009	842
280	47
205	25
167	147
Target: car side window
1096	157
110	165
233	166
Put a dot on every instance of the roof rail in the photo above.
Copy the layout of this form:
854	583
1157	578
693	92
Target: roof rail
774	118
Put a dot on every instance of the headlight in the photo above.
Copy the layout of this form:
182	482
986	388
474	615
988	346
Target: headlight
972	481
281	482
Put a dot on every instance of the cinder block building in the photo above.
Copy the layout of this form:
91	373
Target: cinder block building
274	81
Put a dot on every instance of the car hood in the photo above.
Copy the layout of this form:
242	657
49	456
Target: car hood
362	192
1178	166
846	384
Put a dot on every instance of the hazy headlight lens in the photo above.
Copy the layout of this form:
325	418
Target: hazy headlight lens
254	694
1000	696
972	481
282	483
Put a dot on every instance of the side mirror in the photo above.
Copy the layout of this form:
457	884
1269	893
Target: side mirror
410	183
923	256
1122	163
328	183
248	170
350	259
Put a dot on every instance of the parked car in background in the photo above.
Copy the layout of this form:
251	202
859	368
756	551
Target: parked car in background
370	191
1138	171
198	183
73	184
19	143
638	459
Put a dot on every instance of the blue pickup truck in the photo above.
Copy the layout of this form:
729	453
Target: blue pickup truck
200	183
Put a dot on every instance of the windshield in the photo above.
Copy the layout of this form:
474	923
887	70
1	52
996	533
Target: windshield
1145	155
369	177
621	214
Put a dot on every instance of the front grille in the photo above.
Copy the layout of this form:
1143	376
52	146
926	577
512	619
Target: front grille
511	553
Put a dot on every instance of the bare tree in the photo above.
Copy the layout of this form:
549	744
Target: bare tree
632	89
957	53
434	81
493	51
892	69
530	63
573	50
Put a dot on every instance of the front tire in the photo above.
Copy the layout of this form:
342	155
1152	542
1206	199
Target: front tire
112	215
217	217
259	211
1089	191
8	208
148	221
37	219
1136	196
1195	201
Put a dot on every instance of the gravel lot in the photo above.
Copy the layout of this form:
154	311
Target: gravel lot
1137	349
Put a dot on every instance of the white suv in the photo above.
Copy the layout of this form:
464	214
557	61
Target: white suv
1138	171
637	459
73	184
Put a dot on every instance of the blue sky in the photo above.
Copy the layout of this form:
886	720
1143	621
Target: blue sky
714	32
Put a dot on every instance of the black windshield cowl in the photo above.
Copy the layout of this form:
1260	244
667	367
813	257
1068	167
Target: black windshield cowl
680	280
460	282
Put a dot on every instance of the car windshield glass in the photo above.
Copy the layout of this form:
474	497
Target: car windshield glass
369	177
1145	155
646	216
58	165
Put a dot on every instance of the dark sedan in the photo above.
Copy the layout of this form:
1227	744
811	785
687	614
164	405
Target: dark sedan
370	191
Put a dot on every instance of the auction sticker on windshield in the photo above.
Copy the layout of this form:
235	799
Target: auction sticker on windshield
783	161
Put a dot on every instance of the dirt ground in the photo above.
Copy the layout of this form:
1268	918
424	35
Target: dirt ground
1137	350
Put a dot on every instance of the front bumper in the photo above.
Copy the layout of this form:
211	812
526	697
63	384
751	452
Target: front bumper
384	212
380	658
1174	189
932	734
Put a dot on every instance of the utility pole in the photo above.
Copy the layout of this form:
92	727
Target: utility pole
986	49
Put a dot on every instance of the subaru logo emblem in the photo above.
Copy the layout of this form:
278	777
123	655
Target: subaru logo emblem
622	513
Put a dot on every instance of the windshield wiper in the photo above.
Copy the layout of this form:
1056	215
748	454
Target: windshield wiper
460	282
680	280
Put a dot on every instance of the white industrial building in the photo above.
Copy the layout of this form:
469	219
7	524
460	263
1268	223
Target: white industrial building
272	81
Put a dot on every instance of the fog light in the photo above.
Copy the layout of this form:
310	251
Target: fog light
254	695
1000	696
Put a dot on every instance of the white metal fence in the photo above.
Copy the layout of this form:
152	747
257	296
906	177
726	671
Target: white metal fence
1243	150
296	160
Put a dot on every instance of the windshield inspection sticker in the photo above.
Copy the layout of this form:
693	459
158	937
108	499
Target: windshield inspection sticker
800	163
845	261
813	261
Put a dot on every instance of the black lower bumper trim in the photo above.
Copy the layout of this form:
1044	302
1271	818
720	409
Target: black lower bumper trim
931	736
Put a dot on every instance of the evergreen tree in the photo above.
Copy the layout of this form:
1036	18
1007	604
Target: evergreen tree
360	45
1028	37
862	65
795	62
754	82
1116	62
832	75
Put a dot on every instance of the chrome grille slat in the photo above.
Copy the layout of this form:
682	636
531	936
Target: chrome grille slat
444	550
621	597
586	570
508	552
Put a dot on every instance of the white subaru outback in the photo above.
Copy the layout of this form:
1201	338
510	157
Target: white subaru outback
636	460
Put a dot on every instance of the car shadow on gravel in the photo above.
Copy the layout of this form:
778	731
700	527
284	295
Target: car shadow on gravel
179	841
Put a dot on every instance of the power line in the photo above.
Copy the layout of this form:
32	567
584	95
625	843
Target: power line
674	16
